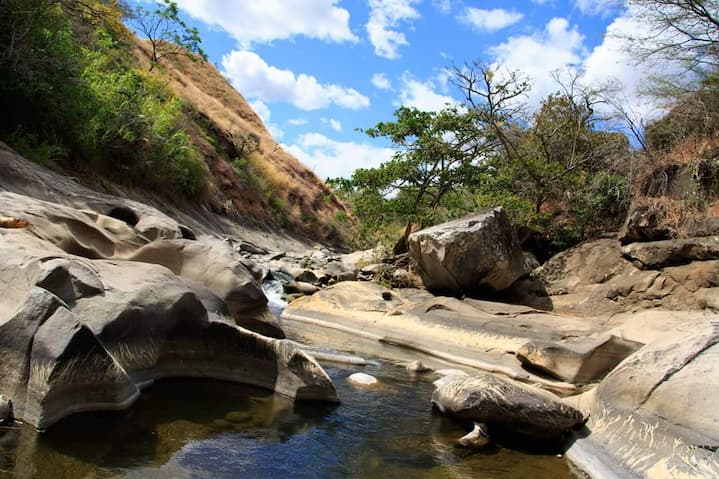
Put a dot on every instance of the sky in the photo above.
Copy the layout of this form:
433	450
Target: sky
317	71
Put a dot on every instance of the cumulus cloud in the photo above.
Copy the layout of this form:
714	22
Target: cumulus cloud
297	121
384	19
254	78
422	95
443	6
612	62
539	55
332	159
268	20
489	20
265	114
380	80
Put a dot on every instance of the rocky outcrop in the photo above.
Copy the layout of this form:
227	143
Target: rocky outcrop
501	403
655	415
80	332
660	254
479	250
6	411
596	278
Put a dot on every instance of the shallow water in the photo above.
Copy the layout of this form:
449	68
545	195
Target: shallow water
212	429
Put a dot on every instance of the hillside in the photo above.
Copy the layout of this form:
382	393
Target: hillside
250	175
80	96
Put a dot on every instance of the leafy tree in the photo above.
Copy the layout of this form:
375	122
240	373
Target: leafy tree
168	34
438	152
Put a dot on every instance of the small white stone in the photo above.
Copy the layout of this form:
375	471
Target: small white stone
362	379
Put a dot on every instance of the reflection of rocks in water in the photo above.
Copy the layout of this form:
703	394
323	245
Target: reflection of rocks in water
170	416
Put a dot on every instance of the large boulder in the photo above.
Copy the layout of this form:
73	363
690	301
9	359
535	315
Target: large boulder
489	399
655	415
479	250
79	334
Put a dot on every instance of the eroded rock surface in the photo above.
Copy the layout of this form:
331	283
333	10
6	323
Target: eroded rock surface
498	402
479	250
79	332
655	415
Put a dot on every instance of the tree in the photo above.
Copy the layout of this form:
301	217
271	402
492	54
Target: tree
438	152
684	30
167	33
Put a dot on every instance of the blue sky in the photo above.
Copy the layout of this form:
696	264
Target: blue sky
316	70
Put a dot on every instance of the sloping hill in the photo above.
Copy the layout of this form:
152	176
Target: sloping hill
250	174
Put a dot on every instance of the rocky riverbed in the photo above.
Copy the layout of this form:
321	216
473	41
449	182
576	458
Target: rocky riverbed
102	296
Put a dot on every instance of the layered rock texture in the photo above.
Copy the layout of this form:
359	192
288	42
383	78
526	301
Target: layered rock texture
498	402
92	310
478	251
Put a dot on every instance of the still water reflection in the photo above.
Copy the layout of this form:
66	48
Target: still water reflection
198	429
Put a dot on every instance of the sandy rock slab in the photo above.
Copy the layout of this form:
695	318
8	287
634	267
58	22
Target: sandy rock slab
655	415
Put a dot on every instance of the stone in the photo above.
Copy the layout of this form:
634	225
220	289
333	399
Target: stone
477	438
581	362
418	367
451	372
479	250
489	399
80	334
655	414
643	223
6	411
306	276
362	379
300	287
660	254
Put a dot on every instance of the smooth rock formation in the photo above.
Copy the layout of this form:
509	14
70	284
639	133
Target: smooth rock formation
488	399
80	334
362	379
479	250
477	438
655	415
578	363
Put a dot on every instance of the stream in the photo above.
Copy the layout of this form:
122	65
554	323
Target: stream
213	429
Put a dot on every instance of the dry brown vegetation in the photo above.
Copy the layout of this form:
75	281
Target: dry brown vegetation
265	183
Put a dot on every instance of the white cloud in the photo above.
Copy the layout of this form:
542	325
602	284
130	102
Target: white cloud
612	62
489	20
265	114
297	121
539	55
336	125
385	16
380	80
263	21
422	95
331	159
254	78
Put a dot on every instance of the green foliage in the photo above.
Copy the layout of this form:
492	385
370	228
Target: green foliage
167	33
79	99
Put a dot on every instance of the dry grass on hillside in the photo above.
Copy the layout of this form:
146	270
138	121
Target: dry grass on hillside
681	186
281	189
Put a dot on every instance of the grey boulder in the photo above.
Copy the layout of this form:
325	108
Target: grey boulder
527	411
478	250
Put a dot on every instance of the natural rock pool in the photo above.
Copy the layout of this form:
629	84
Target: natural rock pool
213	429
